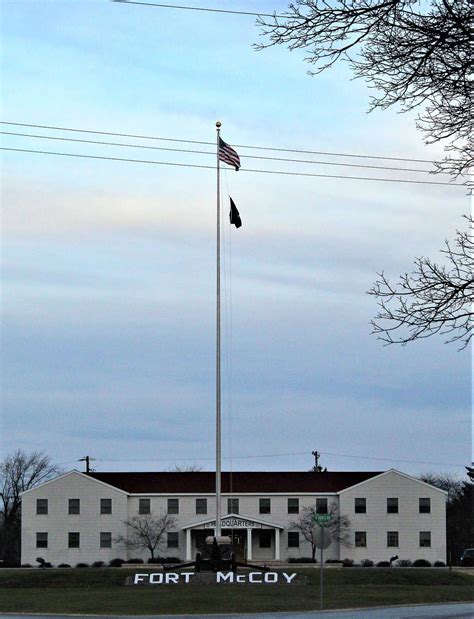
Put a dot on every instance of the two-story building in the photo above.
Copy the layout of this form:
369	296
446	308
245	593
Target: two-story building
79	517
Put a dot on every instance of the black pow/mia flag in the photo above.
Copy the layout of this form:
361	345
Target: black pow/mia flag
234	214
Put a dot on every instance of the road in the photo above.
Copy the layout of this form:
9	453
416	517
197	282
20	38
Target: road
439	611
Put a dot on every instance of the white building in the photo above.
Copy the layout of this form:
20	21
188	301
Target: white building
77	517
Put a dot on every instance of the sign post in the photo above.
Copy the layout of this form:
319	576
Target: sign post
322	520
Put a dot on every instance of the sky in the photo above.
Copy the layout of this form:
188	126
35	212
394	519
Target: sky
108	267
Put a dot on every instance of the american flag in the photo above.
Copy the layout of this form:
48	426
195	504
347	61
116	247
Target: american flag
228	155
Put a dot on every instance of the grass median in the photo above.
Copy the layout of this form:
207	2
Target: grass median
103	591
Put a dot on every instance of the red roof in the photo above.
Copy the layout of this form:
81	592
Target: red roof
242	482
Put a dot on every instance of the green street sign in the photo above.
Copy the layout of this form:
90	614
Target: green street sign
322	519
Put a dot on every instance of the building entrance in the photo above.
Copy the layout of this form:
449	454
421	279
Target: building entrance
239	544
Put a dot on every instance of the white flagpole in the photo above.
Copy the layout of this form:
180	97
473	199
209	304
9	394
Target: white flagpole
218	349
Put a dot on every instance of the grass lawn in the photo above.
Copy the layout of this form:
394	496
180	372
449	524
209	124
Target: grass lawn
102	590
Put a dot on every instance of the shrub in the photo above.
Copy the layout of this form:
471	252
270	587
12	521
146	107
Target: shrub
301	560
347	563
421	563
383	564
134	561
338	561
367	563
404	563
165	560
116	562
26	565
98	564
82	565
439	564
64	565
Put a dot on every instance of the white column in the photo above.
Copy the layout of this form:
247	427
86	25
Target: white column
249	544
188	545
277	544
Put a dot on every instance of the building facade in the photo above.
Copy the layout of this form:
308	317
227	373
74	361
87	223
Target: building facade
78	517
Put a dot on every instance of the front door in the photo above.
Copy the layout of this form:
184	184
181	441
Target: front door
239	538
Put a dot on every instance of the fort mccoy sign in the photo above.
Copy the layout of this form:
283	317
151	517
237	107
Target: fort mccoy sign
217	578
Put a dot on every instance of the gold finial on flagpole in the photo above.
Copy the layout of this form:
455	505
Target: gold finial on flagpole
218	124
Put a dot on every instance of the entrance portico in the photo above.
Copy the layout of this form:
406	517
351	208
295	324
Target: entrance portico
234	525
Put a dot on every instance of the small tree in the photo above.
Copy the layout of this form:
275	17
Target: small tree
19	472
338	526
146	532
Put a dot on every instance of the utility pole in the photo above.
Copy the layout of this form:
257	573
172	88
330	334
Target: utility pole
87	460
316	455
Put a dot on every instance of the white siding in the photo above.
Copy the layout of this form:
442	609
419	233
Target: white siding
58	523
408	522
90	522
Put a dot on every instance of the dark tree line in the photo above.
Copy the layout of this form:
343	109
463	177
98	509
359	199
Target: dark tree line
459	512
460	523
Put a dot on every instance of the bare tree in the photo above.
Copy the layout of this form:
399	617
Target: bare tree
19	472
432	299
452	484
184	468
146	532
338	527
413	53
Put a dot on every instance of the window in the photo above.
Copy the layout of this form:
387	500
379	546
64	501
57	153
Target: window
41	507
105	506
293	506
41	540
392	539
105	539
233	506
392	506
173	506
265	538
73	540
74	506
293	539
360	505
201	506
321	506
360	539
424	506
144	506
173	539
425	539
264	506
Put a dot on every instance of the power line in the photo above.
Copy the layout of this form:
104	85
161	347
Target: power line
278	455
150	137
199	8
205	152
190	165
